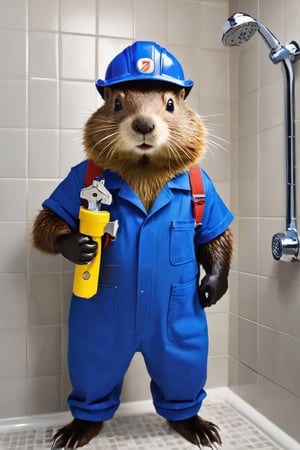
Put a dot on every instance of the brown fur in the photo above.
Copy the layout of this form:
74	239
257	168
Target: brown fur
217	254
46	229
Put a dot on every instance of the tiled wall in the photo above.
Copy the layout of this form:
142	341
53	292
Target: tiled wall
51	52
265	294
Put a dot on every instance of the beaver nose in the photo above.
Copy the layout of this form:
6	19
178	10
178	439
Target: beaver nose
143	125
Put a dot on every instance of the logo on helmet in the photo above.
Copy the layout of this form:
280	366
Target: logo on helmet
145	65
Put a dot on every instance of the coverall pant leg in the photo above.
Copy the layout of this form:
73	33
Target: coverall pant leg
98	357
176	358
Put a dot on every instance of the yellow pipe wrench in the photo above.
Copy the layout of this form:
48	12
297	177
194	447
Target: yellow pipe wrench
93	223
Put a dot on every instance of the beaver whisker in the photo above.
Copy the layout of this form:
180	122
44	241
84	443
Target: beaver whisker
178	135
108	150
205	116
108	147
97	130
104	138
219	138
173	151
103	124
216	144
102	129
180	152
177	154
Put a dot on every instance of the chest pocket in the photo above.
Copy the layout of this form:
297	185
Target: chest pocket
182	241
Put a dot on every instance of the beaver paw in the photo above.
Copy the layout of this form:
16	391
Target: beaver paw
197	431
76	434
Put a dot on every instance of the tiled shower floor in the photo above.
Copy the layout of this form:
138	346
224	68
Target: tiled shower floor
150	432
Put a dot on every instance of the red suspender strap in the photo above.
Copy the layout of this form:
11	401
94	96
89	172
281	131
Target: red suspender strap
197	192
92	172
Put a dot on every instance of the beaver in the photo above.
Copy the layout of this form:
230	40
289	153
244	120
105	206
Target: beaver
145	139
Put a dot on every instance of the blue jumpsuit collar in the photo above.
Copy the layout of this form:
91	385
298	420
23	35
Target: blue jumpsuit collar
113	182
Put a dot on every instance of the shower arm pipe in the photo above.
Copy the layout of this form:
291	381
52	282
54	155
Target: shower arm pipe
291	221
285	246
269	38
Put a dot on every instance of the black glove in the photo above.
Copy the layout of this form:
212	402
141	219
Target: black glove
212	288
76	247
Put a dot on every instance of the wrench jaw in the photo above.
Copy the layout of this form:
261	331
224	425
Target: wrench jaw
96	194
112	229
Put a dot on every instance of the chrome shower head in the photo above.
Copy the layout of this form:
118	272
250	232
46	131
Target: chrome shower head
240	27
237	29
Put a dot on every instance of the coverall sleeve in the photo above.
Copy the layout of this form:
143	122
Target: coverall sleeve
216	217
65	199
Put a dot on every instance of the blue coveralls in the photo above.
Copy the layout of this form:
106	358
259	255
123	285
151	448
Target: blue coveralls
147	300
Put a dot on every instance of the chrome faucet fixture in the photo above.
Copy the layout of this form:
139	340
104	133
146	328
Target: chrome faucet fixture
239	28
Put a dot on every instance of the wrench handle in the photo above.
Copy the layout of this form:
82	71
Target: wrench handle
86	276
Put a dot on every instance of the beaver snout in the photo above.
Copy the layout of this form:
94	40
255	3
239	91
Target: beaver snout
143	125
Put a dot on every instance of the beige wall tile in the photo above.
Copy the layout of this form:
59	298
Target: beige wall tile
248	172
272	176
248	6
13	352
45	299
246	384
280	406
136	387
115	18
279	359
271	105
234	292
248	110
156	13
247	346
218	328
233	340
13	300
248	296
44	351
217	371
43	394
279	306
248	69
248	245
14	394
79	17
291	20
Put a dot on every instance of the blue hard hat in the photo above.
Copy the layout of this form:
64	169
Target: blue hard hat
144	61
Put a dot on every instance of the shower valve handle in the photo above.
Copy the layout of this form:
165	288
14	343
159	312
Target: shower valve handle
285	246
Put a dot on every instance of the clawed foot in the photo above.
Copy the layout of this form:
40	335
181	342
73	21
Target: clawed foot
197	431
76	434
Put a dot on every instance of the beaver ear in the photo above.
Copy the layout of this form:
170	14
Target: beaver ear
107	93
181	94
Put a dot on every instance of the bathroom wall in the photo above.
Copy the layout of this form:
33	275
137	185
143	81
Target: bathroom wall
51	52
264	326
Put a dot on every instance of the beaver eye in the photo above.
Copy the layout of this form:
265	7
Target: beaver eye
118	104
170	105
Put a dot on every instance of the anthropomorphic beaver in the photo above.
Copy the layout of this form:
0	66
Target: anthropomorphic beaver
149	300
